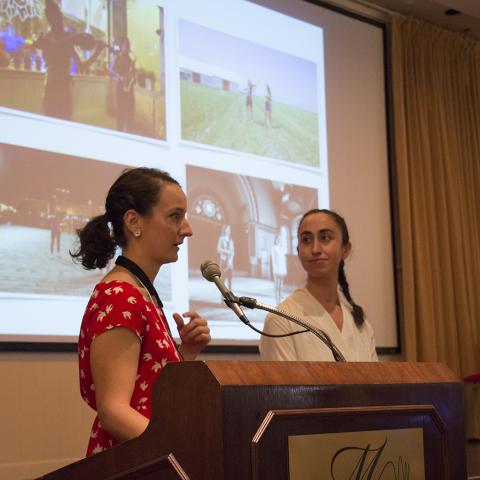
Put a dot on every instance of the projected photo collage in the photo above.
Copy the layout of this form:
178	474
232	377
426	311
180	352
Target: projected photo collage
193	100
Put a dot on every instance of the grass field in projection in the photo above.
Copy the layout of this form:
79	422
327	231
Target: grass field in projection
217	117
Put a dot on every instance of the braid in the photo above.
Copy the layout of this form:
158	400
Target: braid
357	310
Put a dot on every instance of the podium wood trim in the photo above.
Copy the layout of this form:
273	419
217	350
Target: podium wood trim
166	466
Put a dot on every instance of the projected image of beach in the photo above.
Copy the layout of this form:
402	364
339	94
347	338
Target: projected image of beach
248	226
39	216
94	62
238	95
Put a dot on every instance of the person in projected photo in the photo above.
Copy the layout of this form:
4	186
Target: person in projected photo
279	267
4	56
125	341
268	106
226	254
123	69
55	221
58	48
249	99
324	301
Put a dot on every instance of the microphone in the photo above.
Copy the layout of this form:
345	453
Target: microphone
211	272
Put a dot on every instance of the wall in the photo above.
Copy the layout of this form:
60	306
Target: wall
44	422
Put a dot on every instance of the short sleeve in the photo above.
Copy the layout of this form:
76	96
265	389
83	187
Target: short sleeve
119	305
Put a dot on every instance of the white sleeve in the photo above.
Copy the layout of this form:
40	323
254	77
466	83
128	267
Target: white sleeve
277	348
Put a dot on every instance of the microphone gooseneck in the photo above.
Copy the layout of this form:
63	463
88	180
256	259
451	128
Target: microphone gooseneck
211	272
250	302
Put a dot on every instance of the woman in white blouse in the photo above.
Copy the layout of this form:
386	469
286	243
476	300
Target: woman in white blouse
324	301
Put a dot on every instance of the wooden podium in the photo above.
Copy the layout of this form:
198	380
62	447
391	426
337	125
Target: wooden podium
237	420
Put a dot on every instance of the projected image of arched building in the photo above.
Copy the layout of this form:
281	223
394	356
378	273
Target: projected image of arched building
248	226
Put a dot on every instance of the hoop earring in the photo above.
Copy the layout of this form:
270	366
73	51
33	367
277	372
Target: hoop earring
137	233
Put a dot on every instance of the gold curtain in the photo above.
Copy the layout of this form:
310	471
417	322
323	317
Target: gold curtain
436	98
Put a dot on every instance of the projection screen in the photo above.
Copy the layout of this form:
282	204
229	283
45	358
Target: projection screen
262	110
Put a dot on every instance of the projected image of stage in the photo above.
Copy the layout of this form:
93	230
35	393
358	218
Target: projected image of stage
242	96
71	65
39	218
248	226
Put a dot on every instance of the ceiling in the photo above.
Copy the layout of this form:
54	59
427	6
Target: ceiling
468	20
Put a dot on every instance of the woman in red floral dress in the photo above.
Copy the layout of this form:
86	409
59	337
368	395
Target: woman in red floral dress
124	339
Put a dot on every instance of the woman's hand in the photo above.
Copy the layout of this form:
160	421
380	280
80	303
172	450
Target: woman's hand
195	334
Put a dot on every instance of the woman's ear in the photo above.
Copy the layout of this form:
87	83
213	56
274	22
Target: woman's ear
346	250
133	222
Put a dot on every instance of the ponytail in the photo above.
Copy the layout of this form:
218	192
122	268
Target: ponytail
357	311
97	246
137	189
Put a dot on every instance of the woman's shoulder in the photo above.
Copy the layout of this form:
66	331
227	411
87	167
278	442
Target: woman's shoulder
114	303
298	297
110	283
116	290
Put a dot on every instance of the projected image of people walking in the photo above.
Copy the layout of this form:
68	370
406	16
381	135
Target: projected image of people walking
241	96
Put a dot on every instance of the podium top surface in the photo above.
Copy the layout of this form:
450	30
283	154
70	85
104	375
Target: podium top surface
228	372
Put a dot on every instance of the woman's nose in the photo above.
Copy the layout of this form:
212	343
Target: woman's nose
186	229
316	247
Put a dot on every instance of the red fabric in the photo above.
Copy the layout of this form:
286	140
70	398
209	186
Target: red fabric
475	378
120	304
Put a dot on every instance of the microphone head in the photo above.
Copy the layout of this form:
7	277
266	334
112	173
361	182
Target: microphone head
210	270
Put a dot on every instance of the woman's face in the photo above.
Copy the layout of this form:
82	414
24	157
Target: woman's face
166	227
320	246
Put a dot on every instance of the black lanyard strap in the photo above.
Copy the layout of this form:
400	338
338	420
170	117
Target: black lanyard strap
133	268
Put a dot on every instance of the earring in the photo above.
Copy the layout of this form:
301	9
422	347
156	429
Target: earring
137	233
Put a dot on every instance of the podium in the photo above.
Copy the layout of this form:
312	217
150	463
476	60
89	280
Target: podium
236	420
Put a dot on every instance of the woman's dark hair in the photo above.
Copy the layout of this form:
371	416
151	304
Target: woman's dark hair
137	189
357	311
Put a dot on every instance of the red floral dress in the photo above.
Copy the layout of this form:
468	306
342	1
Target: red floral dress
120	304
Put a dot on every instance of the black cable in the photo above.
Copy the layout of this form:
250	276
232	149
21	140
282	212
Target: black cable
248	324
252	303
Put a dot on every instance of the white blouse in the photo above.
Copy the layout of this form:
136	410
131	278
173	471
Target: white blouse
357	344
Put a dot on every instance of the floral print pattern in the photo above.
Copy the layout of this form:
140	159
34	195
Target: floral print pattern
120	304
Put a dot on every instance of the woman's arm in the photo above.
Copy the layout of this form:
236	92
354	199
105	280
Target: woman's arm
114	357
84	65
